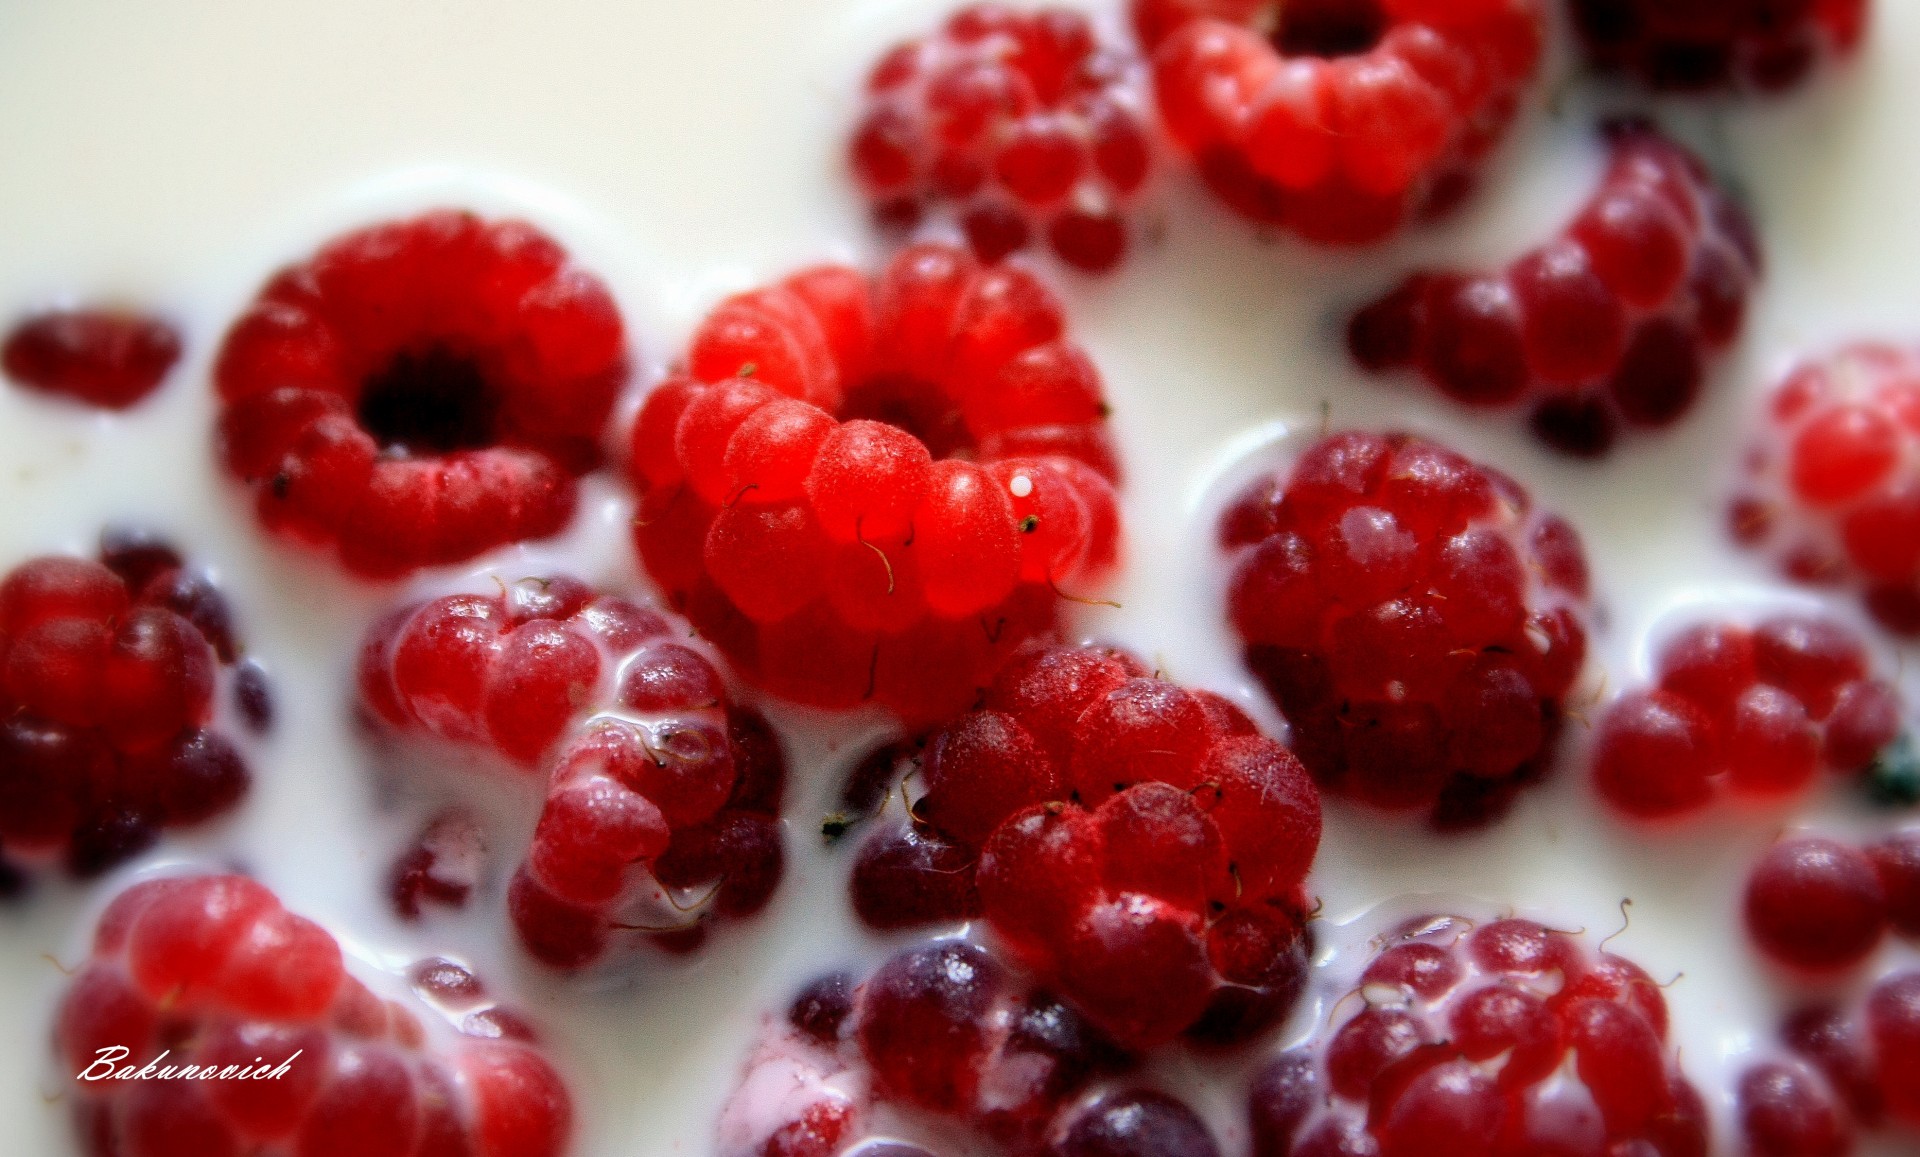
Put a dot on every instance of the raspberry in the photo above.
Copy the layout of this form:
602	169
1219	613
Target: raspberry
1612	323
1340	119
1414	619
1756	711
1133	845
111	359
210	974
444	863
108	673
1459	1043
941	1028
1141	1123
1846	1072
1022	121
1833	484
875	491
421	391
1786	1110
1816	905
1749	45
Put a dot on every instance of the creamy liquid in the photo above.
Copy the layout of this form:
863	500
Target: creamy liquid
175	154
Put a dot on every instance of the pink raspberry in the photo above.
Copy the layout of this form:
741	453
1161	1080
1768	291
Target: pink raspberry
108	674
1612	323
1141	848
1833	483
108	358
1754	711
421	391
1340	120
1414	618
874	491
1750	45
1845	1072
1023	121
1503	1038
211	973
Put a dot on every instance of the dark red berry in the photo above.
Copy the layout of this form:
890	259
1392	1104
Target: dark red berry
106	358
1816	904
1749	47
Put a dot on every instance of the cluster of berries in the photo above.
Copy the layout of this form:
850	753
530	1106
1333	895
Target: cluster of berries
1755	45
108	358
944	1028
421	391
108	674
205	982
1023	120
1139	847
1413	617
1820	906
876	490
1833	486
1843	1073
1505	1038
1756	711
1613	322
667	786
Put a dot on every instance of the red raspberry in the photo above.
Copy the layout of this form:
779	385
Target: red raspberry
421	391
1340	119
1612	322
1138	846
1414	619
1833	486
1755	711
1786	1110
212	973
941	1028
1751	45
1023	121
107	358
1137	1123
1816	905
1850	1071
875	491
107	678
1507	1038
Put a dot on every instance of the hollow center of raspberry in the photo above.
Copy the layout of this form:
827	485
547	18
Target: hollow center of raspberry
1329	28
919	408
430	401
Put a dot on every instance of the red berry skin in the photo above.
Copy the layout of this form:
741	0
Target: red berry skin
1816	905
875	489
210	973
1786	1111
106	358
1611	324
1893	1025
420	391
1025	125
1896	860
1745	48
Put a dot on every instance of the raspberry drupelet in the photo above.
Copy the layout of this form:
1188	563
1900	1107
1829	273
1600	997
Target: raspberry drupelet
1142	849
1753	711
1841	1074
875	490
211	975
1612	324
1340	120
108	677
1832	484
1746	45
1024	122
1472	1041
1820	906
421	391
1414	618
110	358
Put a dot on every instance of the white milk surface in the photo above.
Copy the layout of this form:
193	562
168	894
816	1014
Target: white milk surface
174	154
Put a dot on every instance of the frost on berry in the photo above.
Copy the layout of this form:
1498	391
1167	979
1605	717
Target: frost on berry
1612	325
1832	485
1754	710
109	673
420	391
1340	120
108	358
1463	1039
1026	125
1413	617
208	978
1729	45
873	490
